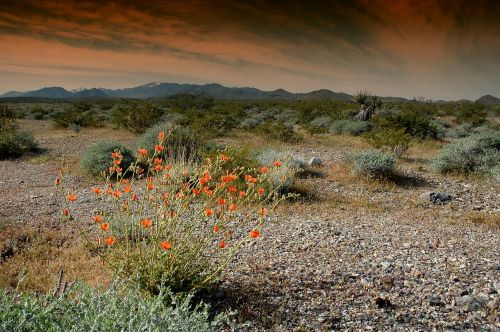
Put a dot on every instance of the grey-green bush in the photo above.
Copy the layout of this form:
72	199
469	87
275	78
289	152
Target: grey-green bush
478	153
14	143
97	158
180	142
289	169
350	127
373	163
117	308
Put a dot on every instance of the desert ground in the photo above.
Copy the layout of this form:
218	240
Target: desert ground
350	254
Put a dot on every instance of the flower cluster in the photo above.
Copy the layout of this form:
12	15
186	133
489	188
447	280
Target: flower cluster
172	223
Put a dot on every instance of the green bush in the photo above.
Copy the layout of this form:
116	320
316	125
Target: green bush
350	127
97	158
213	125
474	114
117	308
13	142
180	142
82	117
373	163
319	124
478	153
389	140
136	117
278	131
416	124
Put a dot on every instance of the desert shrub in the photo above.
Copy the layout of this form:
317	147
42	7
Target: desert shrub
278	131
251	123
461	131
284	177
97	159
319	124
373	163
82	117
174	227
13	142
136	117
39	113
438	128
213	125
478	153
415	124
120	307
181	143
389	140
475	114
189	101
350	127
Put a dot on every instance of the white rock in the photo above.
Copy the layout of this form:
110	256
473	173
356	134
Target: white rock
315	161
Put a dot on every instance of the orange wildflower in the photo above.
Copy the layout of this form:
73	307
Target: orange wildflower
232	189
158	161
105	226
224	157
71	197
146	223
263	170
66	212
261	191
127	189
233	207
263	211
97	191
221	201
242	194
196	191
165	245
143	152
111	169
117	194
158	168
117	162
222	244
159	148
150	186
110	240
134	197
172	213
255	233
216	228
161	135
167	167
209	212
97	218
119	169
277	163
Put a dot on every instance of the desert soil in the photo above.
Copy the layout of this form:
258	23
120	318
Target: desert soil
352	254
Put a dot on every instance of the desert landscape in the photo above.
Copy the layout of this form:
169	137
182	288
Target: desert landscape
170	206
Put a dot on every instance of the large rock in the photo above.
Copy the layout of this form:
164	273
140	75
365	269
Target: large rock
437	198
315	161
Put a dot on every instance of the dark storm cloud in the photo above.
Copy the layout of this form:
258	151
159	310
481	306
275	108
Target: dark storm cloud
384	40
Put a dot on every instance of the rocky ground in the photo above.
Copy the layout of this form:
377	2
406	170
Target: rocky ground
351	255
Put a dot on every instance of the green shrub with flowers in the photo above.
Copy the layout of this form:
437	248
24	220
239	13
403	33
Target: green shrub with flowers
174	223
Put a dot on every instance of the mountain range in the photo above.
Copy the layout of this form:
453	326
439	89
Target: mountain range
217	91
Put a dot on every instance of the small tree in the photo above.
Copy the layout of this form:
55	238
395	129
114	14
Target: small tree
368	105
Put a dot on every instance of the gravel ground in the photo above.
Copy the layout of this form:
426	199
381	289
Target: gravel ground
352	259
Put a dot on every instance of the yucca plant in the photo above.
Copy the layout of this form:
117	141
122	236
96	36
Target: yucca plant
368	104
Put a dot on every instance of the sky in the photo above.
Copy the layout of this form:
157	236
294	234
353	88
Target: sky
410	48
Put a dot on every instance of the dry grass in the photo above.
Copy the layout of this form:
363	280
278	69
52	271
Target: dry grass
41	252
478	217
